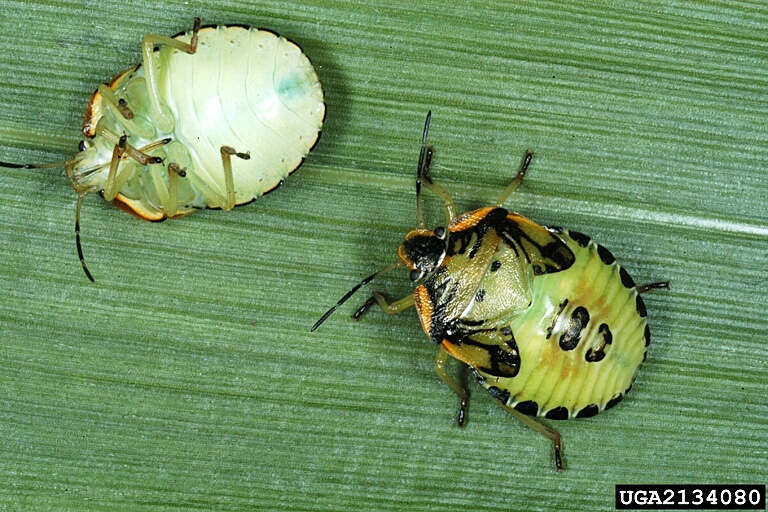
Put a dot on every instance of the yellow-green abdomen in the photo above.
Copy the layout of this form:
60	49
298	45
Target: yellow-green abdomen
581	341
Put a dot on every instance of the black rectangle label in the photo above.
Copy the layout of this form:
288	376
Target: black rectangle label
690	497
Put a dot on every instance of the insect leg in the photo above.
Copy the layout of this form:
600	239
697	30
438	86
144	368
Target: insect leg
118	105
154	145
461	390
172	203
518	179
552	434
390	308
110	188
123	115
229	180
117	177
138	155
161	114
645	288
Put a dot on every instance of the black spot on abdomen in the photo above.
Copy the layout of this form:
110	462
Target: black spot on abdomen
598	354
560	309
588	411
581	238
577	323
502	395
528	407
626	279
605	255
558	413
647	335
613	401
496	265
640	306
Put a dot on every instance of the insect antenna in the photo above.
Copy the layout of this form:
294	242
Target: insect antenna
350	293
51	165
420	170
80	197
77	238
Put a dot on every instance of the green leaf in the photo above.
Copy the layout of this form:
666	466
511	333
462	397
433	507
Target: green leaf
186	377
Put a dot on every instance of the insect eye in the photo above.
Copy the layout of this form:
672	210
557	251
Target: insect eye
416	274
440	232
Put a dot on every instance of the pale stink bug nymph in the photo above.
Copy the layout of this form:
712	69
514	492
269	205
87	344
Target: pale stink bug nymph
545	318
161	135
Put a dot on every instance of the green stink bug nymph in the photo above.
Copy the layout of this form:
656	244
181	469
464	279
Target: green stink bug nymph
545	318
212	118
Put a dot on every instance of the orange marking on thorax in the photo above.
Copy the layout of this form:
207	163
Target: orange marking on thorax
451	349
469	219
424	307
401	255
